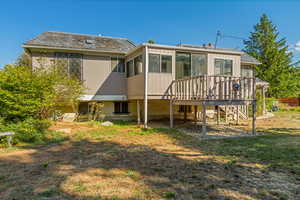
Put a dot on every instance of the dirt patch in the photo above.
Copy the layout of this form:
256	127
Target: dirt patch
126	162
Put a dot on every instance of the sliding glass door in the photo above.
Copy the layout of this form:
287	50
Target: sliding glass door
188	65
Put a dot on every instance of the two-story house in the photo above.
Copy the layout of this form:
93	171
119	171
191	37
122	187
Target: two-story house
148	81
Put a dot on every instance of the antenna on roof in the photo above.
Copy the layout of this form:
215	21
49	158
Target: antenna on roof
219	36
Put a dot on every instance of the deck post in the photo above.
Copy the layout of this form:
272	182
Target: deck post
146	89
171	114
237	114
138	110
226	116
254	107
203	119
218	115
254	117
195	113
264	99
185	113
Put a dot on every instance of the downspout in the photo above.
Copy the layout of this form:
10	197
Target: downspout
146	88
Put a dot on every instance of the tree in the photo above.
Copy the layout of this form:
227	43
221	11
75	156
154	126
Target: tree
151	41
35	94
24	60
277	66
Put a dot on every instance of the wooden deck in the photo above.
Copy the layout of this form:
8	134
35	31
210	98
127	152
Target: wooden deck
212	90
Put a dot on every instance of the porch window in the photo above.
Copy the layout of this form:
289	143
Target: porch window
160	63
130	68
246	71
117	65
121	107
198	64
166	64
70	63
138	65
183	65
223	67
190	64
154	62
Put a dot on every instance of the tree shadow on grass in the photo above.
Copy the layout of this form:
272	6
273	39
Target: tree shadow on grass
109	170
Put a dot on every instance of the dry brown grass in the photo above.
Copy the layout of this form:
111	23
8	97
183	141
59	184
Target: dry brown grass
125	162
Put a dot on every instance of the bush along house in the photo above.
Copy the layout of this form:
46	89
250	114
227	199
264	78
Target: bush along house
152	81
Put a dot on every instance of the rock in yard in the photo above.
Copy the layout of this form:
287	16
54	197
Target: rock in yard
69	117
107	123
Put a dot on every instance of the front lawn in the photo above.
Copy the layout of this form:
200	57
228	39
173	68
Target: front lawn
126	162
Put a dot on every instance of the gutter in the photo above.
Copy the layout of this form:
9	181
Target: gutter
62	48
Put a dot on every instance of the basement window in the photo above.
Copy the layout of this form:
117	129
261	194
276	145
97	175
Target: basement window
121	107
187	108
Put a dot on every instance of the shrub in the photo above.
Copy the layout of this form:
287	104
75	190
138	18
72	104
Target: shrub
29	130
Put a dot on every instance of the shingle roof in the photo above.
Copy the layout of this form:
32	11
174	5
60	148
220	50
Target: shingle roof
80	41
246	58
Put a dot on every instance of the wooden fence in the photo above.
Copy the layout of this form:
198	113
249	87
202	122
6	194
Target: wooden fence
292	101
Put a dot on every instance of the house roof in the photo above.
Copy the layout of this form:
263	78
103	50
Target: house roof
246	58
205	48
60	40
188	48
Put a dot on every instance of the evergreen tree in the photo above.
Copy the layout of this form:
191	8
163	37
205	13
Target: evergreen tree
277	66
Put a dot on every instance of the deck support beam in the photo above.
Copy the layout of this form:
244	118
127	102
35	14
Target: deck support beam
254	117
237	115
264	100
195	113
203	119
171	115
138	110
226	114
218	115
185	112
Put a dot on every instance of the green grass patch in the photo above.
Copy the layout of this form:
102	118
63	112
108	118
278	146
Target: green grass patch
276	151
79	187
49	192
169	195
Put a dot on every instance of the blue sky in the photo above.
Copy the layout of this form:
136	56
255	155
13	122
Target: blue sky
166	22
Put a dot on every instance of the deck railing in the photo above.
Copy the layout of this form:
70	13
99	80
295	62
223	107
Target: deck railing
212	88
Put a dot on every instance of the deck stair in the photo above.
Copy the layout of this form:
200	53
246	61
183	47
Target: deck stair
232	111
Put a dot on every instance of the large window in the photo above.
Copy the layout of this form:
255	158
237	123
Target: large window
188	65
121	107
166	64
223	67
154	63
134	66
198	64
117	65
70	63
246	71
183	65
138	65
130	68
160	63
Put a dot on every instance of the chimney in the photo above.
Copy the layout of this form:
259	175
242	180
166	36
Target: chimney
210	45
